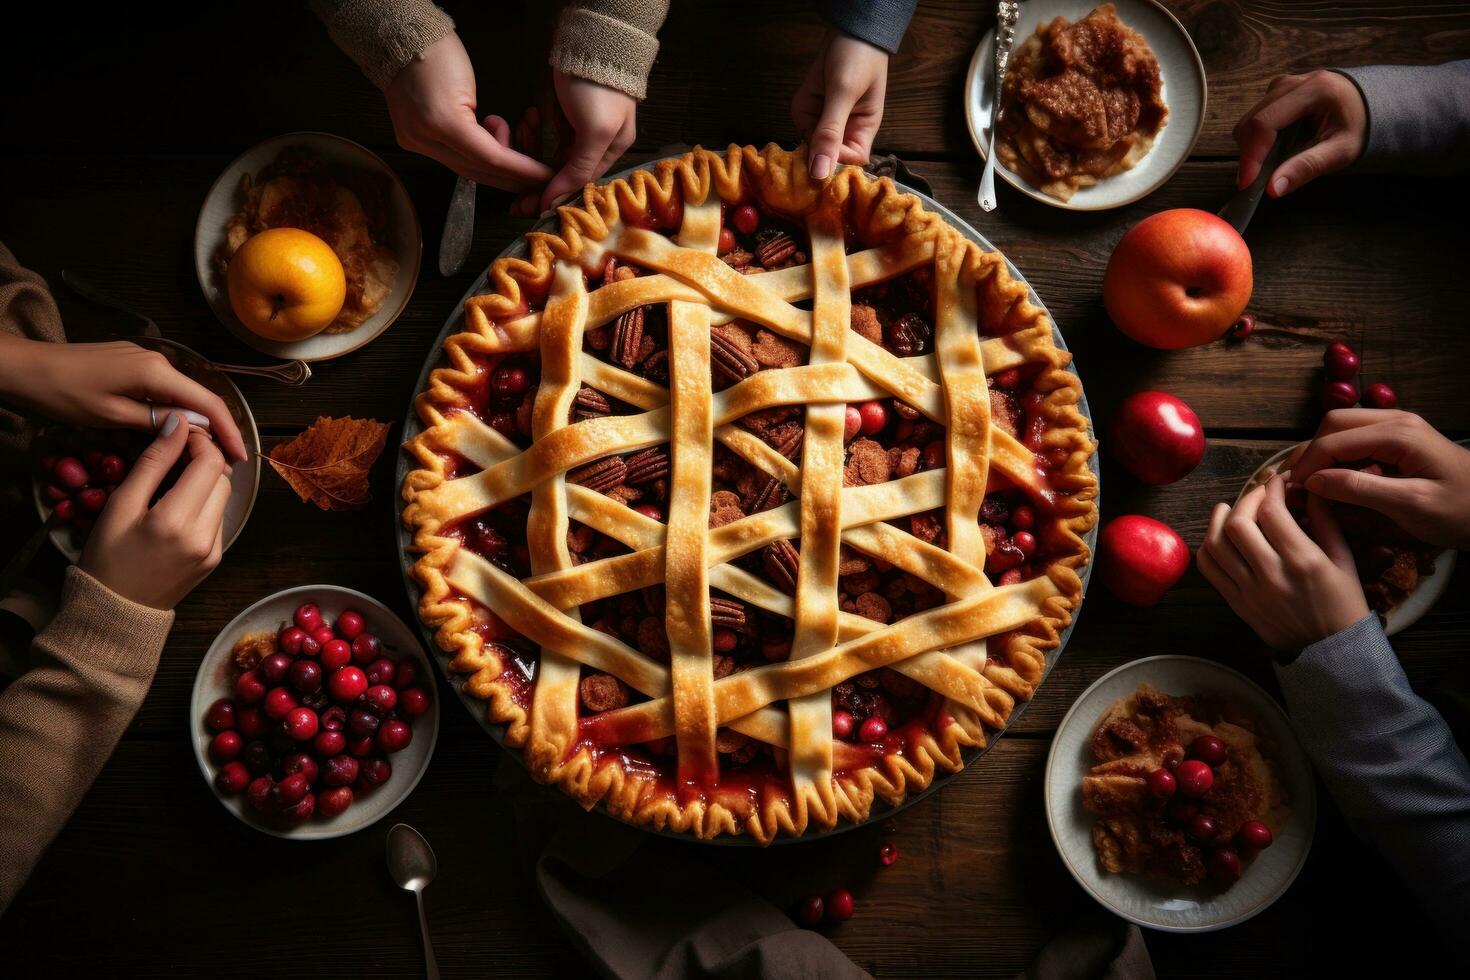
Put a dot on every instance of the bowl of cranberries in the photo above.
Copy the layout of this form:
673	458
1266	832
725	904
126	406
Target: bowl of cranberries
314	713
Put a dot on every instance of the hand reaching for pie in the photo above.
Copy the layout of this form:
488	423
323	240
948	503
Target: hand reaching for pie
604	122
154	555
432	104
1292	588
839	105
1340	120
1429	495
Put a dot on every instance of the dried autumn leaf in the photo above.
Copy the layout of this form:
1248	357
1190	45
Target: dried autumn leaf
328	464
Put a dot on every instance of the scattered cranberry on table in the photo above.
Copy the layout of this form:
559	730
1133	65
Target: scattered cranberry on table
888	853
1243	327
1340	361
307	734
1379	395
839	905
810	910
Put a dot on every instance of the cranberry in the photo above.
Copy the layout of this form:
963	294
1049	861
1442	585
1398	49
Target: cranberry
309	646
252	722
70	473
1195	778
839	905
1338	394
874	417
381	671
302	810
504	423
221	715
1162	784
509	381
257	756
340	770
275	667
323	635
1182	809
873	730
337	653
232	778
724	641
65	509
302	724
334	719
1008	380
842	723
291	788
394	736
334	801
934	455
258	794
1023	517
366	648
306	676
1025	542
1224	865
360	747
745	219
408	672
852	424
279	703
1207	749
413	702
249	687
1243	327
1255	835
1011	576
888	853
361	722
727	241
111	468
308	616
350	623
92	499
380	698
1203	828
225	746
1379	395
810	910
375	772
303	763
329	743
290	640
650	511
1341	361
347	684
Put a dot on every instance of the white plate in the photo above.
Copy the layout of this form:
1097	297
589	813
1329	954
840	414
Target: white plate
216	680
244	477
224	199
1184	91
1425	594
1157	904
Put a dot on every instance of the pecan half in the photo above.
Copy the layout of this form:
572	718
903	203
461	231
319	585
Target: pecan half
787	440
772	494
627	339
590	404
908	335
647	466
601	475
782	563
775	249
727	612
656	368
729	359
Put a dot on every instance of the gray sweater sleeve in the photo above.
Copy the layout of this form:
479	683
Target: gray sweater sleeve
1390	762
1418	117
879	22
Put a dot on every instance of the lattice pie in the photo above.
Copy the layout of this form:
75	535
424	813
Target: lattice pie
746	499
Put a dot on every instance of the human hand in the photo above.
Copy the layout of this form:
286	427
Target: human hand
604	122
156	555
839	105
1430	495
108	386
432	105
1339	117
1291	588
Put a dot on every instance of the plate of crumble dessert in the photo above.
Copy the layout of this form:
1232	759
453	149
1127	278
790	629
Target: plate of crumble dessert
1101	103
1178	796
1402	576
744	507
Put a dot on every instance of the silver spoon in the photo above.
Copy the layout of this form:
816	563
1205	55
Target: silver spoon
1005	33
412	865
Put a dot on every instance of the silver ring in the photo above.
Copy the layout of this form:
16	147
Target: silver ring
152	422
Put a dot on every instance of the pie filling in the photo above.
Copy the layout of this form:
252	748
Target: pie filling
876	714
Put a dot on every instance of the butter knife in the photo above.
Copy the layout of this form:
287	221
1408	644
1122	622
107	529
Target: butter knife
459	228
1006	13
1242	204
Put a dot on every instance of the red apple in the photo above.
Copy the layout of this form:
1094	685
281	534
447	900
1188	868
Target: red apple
1140	558
1178	279
1157	437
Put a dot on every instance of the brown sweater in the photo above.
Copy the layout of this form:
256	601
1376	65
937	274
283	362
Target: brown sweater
85	673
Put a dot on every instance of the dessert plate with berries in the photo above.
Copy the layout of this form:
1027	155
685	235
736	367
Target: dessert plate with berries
1178	796
314	713
77	470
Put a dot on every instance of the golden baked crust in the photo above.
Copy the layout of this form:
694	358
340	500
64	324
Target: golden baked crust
543	303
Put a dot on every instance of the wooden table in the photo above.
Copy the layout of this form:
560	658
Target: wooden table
129	116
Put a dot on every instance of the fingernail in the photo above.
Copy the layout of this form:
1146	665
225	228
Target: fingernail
169	425
1279	185
821	166
194	418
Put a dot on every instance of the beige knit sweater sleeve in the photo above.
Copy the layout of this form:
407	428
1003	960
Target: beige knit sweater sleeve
382	36
611	42
61	719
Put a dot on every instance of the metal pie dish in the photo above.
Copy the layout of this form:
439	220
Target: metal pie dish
478	709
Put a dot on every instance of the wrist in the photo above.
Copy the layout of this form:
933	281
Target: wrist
20	362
